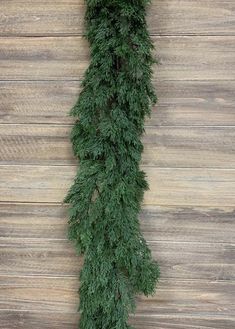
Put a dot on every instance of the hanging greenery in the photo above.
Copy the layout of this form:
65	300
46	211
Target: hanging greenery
105	199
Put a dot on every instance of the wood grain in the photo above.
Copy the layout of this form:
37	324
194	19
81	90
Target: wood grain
13	319
180	102
192	320
43	58
189	147
31	294
188	214
180	260
168	186
28	320
27	17
59	58
203	187
209	103
37	101
163	147
157	223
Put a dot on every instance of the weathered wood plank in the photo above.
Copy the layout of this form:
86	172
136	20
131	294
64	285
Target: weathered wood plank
189	147
192	17
183	58
42	294
172	296
188	224
178	260
47	320
43	58
35	144
157	223
58	58
194	103
27	17
180	102
163	147
192	320
204	187
11	319
168	186
38	101
33	221
38	257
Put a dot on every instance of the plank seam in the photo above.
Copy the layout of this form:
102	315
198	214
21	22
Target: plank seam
67	125
143	166
80	35
74	161
2	203
11	241
145	206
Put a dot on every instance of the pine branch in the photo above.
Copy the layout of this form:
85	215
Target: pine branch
106	196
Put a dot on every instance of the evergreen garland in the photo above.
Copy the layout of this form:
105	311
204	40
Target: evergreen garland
105	199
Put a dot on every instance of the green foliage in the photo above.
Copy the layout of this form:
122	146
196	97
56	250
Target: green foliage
107	193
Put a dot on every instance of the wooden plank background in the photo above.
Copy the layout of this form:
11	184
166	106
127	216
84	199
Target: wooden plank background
188	213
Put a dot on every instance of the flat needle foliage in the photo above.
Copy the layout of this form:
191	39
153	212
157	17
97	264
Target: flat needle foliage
105	198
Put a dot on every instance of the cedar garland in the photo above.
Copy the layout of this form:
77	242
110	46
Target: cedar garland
105	198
